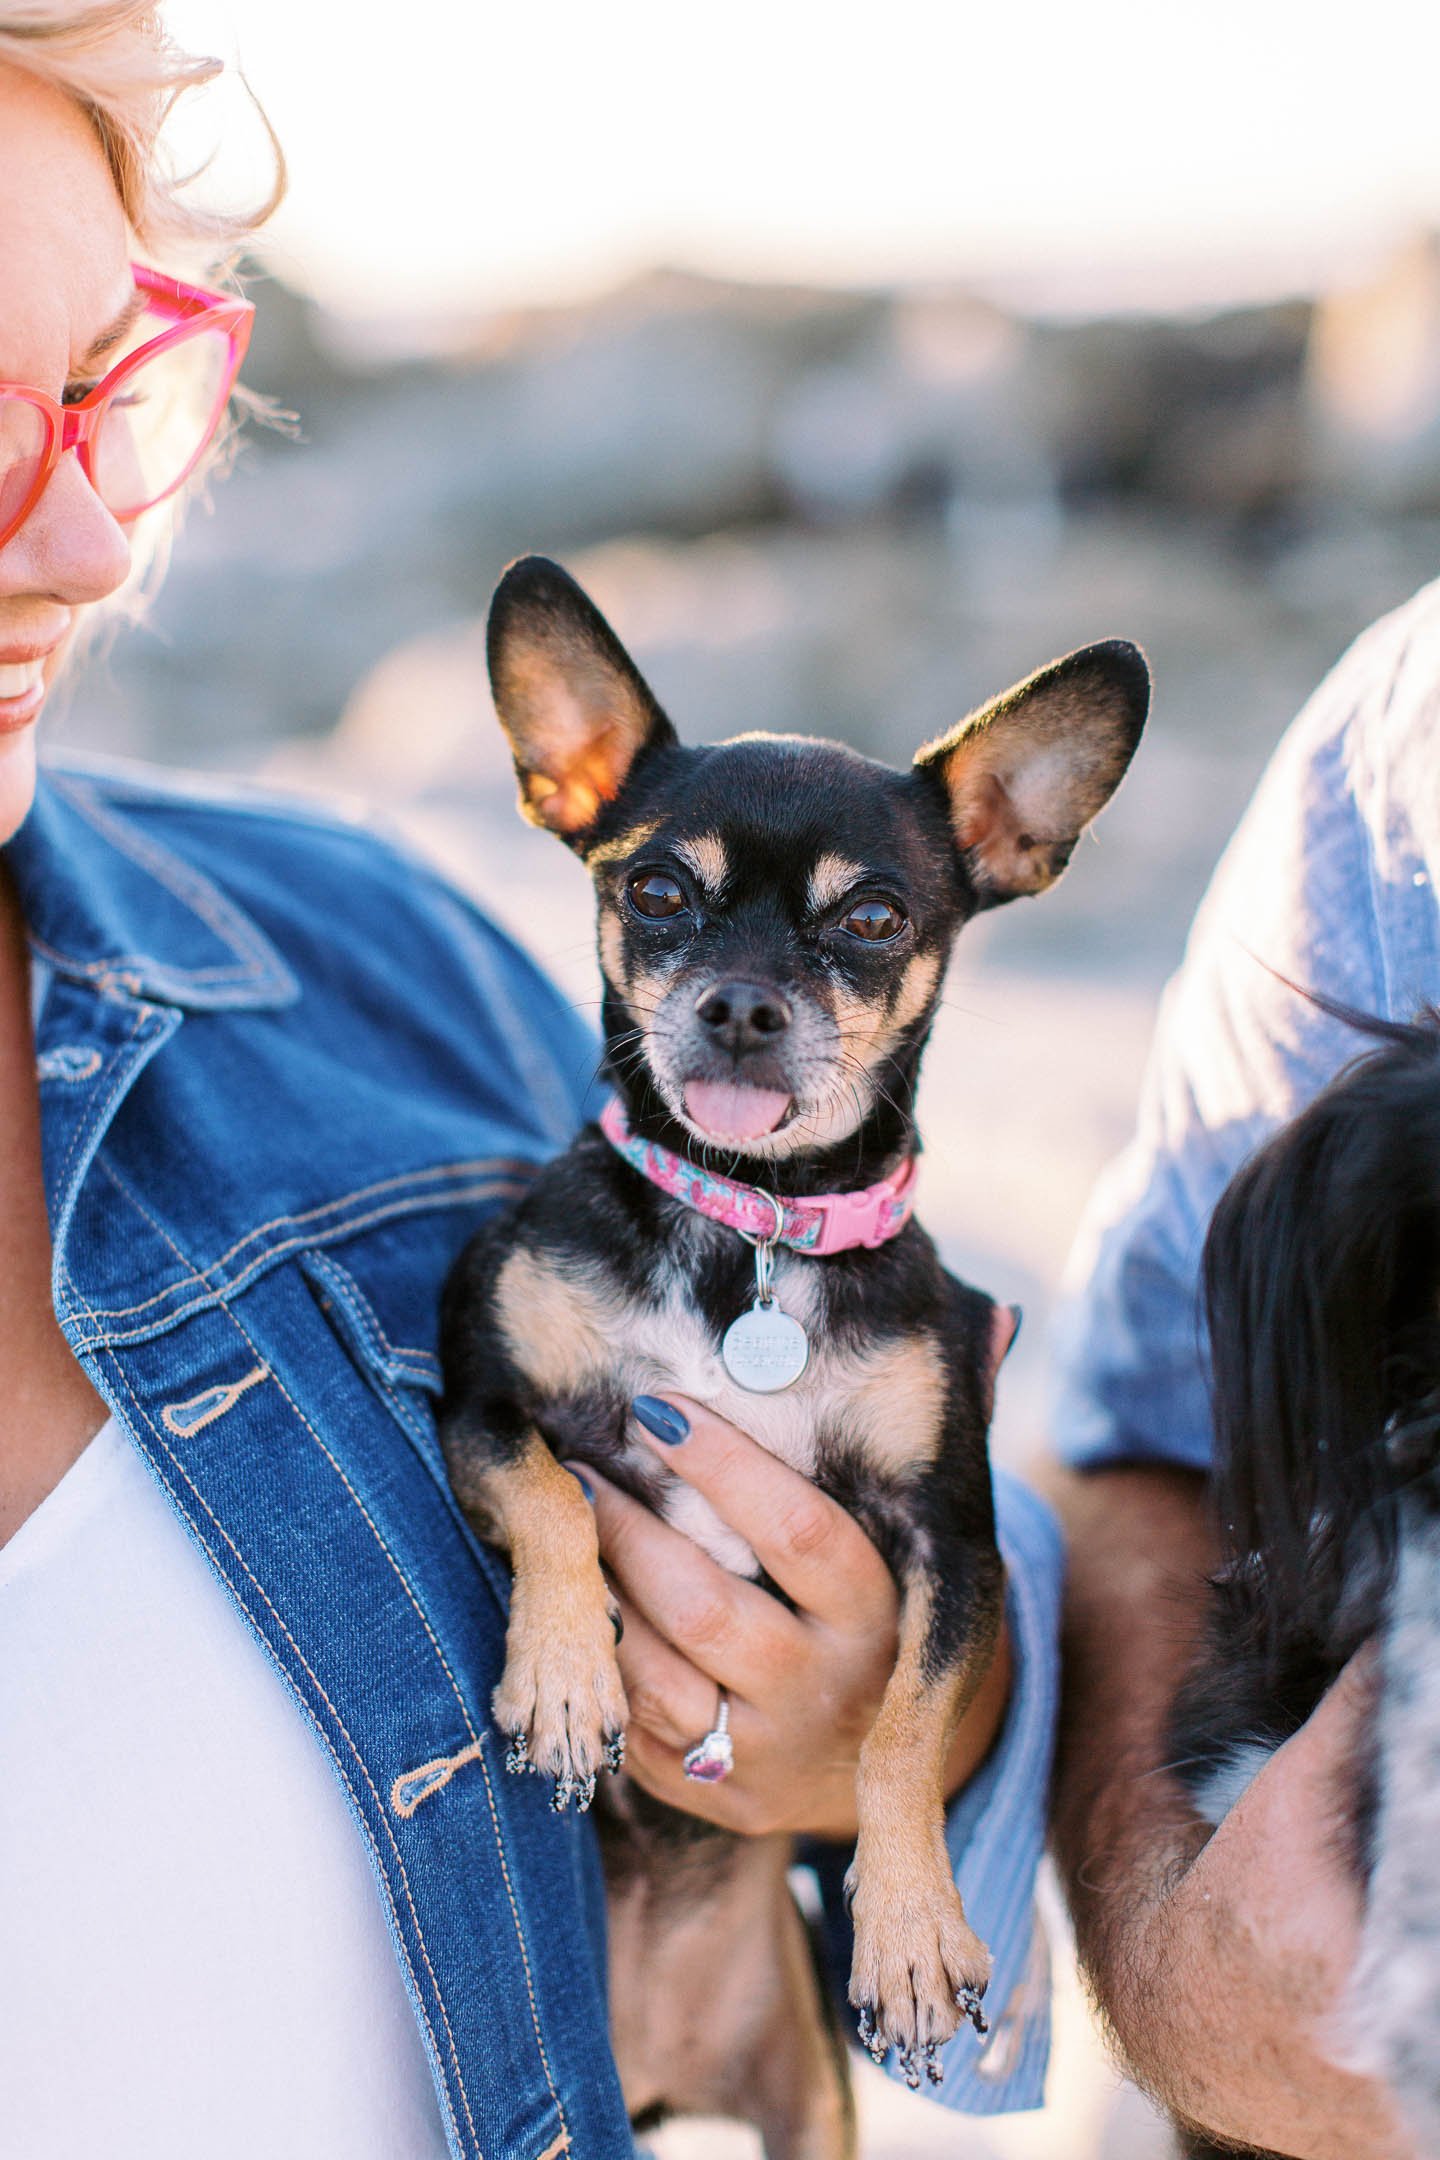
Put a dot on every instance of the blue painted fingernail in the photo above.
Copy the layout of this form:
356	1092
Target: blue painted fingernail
583	1482
662	1419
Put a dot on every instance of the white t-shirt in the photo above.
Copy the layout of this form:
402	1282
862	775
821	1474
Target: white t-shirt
195	1962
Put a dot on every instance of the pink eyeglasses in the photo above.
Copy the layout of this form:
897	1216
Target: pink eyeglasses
143	429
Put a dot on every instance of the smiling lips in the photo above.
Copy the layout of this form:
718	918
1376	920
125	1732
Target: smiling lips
22	690
726	1111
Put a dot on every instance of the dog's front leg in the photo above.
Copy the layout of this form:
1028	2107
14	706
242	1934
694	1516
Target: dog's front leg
918	1966
560	1701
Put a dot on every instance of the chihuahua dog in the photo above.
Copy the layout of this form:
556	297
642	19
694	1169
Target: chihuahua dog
1322	1292
775	916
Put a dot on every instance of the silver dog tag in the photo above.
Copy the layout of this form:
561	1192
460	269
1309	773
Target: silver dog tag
765	1350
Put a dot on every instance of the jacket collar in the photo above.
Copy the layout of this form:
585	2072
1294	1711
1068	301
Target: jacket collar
107	904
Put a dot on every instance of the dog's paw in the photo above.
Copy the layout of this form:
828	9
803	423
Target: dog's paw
561	1706
919	1970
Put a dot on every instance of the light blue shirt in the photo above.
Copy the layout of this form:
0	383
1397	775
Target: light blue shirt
1329	883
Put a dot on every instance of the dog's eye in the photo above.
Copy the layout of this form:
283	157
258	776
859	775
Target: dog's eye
874	920
655	896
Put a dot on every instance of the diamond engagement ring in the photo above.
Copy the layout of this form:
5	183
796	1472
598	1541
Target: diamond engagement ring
713	1758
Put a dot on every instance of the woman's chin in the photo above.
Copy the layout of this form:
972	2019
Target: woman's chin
17	779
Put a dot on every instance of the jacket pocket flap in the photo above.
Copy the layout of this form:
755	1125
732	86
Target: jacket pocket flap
362	1330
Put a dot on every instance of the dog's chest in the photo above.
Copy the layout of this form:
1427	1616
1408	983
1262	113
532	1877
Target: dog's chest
883	1398
672	1349
668	1345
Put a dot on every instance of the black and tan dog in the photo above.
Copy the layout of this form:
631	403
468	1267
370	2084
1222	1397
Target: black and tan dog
775	916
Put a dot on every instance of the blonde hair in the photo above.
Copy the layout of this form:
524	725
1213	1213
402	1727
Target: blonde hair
119	63
121	66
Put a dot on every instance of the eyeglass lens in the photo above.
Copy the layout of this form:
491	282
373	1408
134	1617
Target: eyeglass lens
152	431
158	422
24	440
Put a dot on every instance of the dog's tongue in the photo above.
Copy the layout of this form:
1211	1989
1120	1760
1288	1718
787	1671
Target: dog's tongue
734	1113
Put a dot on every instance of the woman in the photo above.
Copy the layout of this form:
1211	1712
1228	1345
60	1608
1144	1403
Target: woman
263	1885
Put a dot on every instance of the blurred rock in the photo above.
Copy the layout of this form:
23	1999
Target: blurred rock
930	407
657	401
854	513
1198	412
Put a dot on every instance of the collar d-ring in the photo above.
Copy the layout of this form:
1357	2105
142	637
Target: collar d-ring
755	1237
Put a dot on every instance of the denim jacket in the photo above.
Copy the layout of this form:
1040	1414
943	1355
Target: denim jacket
284	1073
254	1196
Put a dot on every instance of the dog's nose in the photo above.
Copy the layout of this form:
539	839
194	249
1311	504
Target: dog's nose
742	1016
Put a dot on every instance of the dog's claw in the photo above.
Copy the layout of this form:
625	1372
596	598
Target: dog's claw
910	2069
870	2038
565	1791
934	2068
585	1793
613	1755
517	1754
968	2001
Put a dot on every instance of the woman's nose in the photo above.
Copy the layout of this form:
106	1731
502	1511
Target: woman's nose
70	548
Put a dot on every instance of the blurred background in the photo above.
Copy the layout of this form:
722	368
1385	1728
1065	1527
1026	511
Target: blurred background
857	361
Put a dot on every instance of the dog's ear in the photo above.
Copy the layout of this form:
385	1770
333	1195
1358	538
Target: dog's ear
1026	774
571	700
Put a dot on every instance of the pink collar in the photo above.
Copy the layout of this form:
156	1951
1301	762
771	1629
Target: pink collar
821	1224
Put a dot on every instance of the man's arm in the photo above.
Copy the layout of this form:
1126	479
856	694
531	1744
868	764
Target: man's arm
1222	1965
1221	1962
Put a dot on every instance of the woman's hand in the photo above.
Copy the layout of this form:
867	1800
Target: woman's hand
804	1686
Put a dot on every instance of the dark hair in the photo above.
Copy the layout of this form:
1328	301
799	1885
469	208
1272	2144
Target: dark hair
1322	1295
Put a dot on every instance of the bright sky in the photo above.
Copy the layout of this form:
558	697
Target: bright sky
459	153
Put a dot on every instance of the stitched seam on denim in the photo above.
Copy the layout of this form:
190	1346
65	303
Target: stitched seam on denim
366	1318
520	1939
93	970
359	1758
257	957
557	2146
481	1758
99	1109
131	971
455	1195
493	1166
401	1576
236	1322
403	1358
